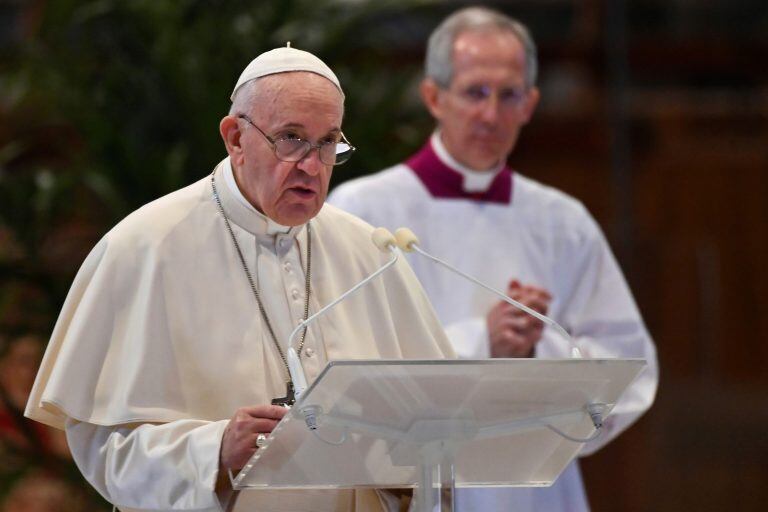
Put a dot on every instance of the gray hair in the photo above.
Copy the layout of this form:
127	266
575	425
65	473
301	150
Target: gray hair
439	61
245	97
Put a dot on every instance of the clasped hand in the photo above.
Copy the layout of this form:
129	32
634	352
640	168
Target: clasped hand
511	331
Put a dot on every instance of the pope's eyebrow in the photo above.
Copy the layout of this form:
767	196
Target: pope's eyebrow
299	126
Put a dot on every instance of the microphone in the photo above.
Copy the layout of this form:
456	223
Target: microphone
409	242
382	239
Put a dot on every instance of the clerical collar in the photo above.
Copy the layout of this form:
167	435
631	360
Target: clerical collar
445	178
474	180
242	212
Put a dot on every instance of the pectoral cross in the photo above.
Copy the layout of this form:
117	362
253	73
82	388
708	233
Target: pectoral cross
288	400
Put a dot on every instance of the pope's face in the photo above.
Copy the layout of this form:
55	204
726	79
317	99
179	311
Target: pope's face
481	112
288	105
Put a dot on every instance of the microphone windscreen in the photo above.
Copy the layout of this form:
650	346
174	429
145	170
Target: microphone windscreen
382	239
406	239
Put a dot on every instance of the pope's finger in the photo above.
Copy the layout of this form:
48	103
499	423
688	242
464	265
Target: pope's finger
274	412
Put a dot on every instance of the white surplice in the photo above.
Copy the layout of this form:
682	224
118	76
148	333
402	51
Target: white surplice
541	237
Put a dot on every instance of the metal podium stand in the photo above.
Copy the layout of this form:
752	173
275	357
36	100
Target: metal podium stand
433	425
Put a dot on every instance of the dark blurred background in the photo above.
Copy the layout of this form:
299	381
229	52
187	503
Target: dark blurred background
654	114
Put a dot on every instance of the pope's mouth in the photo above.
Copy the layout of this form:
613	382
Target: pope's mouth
302	192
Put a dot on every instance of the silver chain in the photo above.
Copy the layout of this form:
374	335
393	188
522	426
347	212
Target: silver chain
256	291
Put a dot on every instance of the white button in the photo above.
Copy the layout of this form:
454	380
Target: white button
283	242
287	266
295	293
309	352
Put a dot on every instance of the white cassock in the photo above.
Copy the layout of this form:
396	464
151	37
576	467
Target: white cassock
160	341
508	226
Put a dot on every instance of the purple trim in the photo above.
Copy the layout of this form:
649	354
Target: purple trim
445	183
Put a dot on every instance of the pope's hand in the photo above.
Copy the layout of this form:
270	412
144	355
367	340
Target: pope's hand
511	331
239	441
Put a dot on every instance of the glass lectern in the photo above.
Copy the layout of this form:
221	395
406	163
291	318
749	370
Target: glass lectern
433	425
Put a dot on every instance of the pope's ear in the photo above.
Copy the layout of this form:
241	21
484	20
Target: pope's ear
430	95
230	133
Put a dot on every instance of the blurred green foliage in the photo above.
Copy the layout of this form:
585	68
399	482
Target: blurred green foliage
106	105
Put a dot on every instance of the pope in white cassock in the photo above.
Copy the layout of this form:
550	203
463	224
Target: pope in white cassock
171	343
541	246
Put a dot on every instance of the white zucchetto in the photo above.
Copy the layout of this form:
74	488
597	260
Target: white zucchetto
283	60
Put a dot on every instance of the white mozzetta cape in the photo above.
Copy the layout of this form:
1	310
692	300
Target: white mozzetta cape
160	323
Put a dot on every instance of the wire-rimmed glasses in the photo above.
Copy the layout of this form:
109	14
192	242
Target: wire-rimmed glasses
293	149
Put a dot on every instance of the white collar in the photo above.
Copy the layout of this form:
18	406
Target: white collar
474	181
273	227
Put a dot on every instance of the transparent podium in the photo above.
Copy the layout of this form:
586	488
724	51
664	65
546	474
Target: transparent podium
437	425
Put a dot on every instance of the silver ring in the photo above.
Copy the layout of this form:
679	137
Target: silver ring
261	440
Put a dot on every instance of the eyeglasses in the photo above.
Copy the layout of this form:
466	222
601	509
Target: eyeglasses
292	149
506	96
